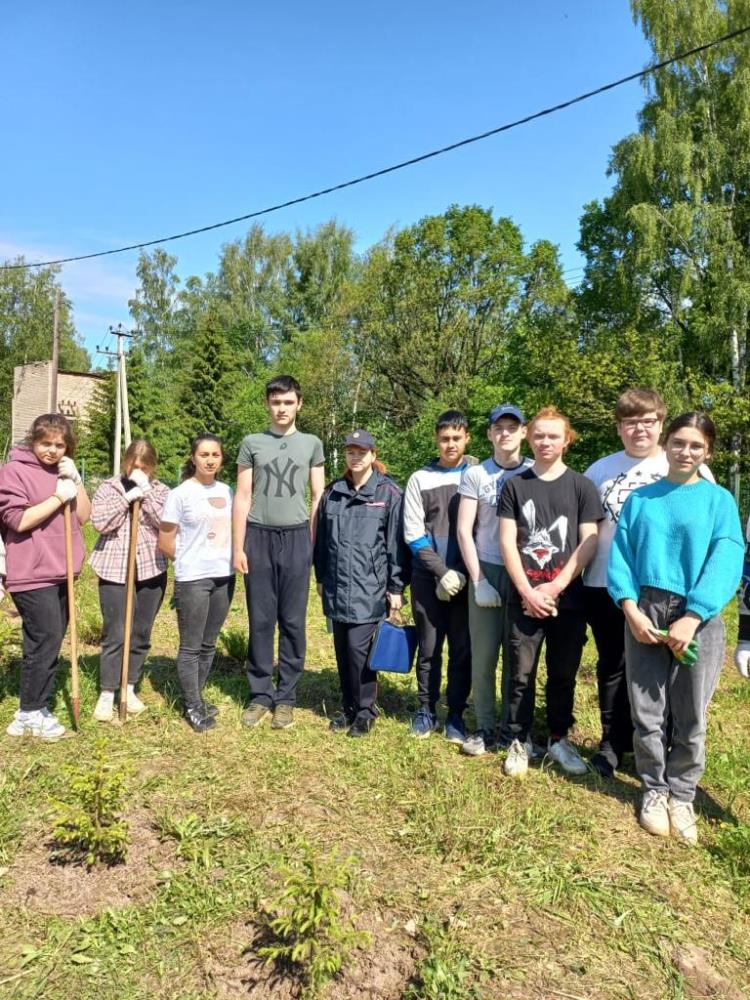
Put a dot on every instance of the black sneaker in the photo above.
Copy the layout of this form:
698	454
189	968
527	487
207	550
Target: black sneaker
199	722
211	711
605	761
361	727
340	723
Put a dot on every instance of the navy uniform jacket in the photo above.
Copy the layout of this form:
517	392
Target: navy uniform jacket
359	550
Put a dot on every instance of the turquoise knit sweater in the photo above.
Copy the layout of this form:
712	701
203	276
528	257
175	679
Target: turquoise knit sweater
685	539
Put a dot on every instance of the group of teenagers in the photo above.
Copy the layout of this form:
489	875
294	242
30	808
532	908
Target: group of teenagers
502	557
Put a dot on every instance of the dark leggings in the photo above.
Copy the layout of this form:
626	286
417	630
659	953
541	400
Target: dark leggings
202	607
44	613
147	598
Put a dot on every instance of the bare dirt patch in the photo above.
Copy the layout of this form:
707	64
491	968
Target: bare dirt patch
379	972
701	978
67	889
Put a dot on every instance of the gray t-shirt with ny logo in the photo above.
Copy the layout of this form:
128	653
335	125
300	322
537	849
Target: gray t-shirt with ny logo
281	466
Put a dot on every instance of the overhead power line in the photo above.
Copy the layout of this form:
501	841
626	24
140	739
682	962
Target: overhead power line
640	74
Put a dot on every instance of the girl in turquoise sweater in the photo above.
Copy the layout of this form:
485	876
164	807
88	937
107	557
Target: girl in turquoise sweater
675	562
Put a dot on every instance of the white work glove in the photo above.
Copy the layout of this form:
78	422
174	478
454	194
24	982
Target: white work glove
451	583
141	480
66	490
66	469
134	493
742	659
485	595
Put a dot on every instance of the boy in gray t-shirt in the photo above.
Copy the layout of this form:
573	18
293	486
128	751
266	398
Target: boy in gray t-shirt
273	548
479	538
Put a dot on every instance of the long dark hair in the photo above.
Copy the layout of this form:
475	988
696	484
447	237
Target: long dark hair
694	418
188	469
52	423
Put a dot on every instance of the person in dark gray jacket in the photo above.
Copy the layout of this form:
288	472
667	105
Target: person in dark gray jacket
359	561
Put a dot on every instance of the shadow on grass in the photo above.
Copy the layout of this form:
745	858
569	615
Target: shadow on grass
318	690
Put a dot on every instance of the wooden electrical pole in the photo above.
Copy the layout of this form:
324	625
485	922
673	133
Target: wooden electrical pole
55	353
122	410
124	398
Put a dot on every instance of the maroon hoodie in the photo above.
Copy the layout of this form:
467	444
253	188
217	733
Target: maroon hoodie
36	558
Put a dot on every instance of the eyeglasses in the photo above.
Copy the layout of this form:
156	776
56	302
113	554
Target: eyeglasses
677	444
632	423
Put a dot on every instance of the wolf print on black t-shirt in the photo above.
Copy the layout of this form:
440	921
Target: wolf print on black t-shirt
543	544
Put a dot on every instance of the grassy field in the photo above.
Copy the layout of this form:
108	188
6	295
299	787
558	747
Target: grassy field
465	883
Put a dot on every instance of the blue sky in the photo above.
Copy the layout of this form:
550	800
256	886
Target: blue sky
131	121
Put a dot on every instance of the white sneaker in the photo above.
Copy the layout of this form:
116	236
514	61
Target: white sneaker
682	822
24	723
52	728
40	724
134	703
105	707
516	762
565	754
654	815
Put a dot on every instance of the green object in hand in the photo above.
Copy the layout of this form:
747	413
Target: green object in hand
689	657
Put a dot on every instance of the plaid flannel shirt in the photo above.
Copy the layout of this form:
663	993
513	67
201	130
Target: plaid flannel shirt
110	515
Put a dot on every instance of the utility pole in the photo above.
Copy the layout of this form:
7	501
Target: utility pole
55	352
118	412
122	410
124	399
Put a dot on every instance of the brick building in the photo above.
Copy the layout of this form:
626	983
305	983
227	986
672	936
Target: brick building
32	395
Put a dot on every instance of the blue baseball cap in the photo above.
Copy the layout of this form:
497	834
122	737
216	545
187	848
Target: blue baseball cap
360	439
506	410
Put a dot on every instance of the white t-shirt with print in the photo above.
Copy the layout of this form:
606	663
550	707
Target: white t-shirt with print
615	477
484	483
203	515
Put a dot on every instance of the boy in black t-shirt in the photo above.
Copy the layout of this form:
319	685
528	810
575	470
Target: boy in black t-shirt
548	530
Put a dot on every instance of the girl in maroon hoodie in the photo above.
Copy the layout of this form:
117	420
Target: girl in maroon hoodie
37	482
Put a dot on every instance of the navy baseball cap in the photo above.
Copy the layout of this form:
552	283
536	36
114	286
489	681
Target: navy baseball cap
506	410
360	439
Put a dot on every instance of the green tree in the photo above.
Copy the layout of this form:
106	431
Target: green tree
437	302
155	307
321	265
27	299
248	292
96	441
668	253
209	383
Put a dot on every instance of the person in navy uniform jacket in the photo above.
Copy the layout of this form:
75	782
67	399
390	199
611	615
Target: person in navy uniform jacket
359	559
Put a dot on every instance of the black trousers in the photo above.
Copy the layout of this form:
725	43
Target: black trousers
44	614
277	587
359	686
564	637
608	627
202	607
437	621
147	598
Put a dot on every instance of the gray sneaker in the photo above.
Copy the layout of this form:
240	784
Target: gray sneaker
283	717
478	744
254	715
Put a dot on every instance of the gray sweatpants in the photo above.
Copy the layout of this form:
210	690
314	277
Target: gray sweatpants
488	628
658	685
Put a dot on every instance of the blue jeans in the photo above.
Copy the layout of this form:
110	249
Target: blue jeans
658	685
202	606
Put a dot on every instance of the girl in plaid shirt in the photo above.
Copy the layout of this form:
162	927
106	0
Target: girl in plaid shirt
110	515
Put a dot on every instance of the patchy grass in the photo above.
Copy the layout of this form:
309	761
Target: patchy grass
465	883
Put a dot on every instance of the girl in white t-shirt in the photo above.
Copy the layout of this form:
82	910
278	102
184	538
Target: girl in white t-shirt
196	531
